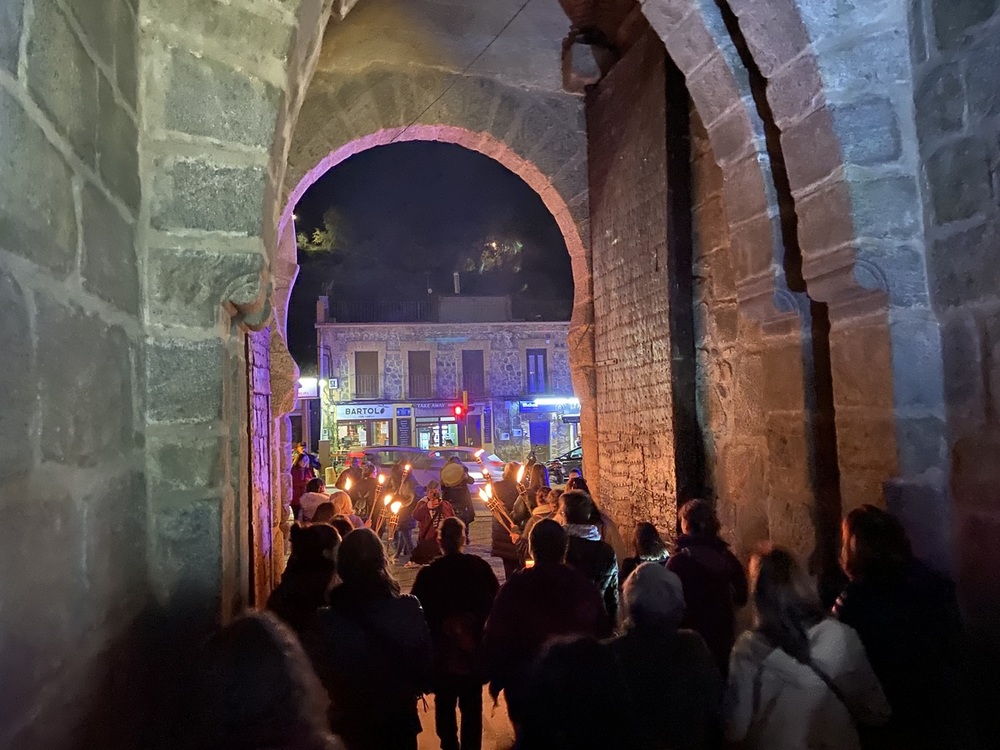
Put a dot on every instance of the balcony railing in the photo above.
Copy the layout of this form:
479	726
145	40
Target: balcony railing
475	384
367	386
421	386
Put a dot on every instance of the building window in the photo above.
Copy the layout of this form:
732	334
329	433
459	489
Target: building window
538	371
367	382
419	366
473	373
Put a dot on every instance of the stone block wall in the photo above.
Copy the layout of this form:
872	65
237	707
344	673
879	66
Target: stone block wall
626	120
72	487
731	361
956	56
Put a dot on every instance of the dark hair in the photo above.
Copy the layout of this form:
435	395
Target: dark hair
324	513
787	605
510	470
315	485
341	523
648	542
699	518
452	535
880	548
543	489
578	506
539	476
547	541
257	689
313	547
364	568
554	496
577	483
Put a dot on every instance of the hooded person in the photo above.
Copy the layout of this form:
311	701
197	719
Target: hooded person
455	483
715	584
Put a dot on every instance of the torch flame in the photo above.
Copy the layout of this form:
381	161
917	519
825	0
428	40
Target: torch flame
387	499
347	484
381	478
520	474
484	496
489	490
478	453
407	468
395	507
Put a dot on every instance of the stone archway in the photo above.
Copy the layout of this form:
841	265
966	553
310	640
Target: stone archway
866	265
581	329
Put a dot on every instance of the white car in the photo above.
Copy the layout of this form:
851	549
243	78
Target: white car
428	465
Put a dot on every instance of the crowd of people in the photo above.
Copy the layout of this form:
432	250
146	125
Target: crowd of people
592	642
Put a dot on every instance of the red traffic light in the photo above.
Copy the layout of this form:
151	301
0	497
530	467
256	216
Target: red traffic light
458	410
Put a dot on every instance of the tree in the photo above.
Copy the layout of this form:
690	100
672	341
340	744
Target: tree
334	237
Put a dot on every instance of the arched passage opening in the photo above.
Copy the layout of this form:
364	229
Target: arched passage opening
579	341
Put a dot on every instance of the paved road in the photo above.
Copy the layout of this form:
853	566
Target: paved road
497	732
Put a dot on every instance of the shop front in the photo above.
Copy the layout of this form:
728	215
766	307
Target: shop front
362	425
552	425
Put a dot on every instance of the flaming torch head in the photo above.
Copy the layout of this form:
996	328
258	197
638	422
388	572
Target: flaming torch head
520	474
395	507
347	485
387	499
479	454
406	469
489	491
484	496
381	478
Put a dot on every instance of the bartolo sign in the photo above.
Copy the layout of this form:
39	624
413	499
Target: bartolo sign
363	411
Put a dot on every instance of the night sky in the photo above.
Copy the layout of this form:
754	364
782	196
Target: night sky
409	214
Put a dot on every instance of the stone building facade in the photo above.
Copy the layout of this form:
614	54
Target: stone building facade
833	343
420	373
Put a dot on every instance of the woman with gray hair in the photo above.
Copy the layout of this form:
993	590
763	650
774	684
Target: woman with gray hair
654	687
669	672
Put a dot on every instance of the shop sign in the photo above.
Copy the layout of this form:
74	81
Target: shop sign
403	411
363	411
571	419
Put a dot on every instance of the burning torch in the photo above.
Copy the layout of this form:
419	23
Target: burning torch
496	507
486	472
381	516
394	508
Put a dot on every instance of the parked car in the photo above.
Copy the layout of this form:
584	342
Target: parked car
428	466
560	466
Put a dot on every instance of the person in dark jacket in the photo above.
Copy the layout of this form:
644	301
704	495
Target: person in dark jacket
363	491
649	547
537	604
372	650
352	473
255	690
457	593
908	620
652	688
715	583
504	544
587	553
308	576
455	483
301	471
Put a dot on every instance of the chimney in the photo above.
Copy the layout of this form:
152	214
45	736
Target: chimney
458	283
322	309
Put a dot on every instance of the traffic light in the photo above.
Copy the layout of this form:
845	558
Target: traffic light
458	410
